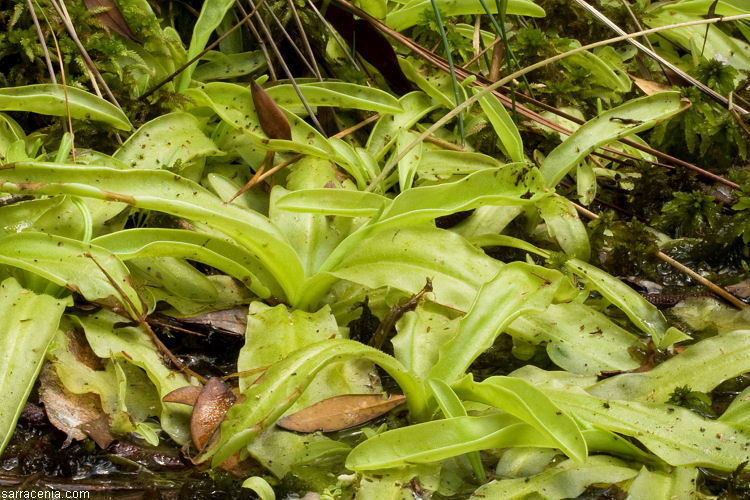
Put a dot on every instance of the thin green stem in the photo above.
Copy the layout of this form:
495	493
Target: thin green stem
511	57
449	58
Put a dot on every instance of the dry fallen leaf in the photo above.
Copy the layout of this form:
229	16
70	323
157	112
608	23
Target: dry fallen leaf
111	18
77	415
184	395
232	321
209	410
741	289
649	87
340	412
272	119
98	430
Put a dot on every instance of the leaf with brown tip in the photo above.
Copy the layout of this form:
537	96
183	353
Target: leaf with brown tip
111	18
209	410
340	412
186	395
272	119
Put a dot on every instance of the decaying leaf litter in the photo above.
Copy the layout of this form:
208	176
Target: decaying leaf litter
217	230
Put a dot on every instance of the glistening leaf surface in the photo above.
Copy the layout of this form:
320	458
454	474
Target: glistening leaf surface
209	19
165	192
512	184
338	94
29	323
216	252
66	262
411	13
641	312
675	434
579	338
634	116
49	99
527	403
441	439
517	287
404	257
345	202
702	366
174	138
565	480
284	381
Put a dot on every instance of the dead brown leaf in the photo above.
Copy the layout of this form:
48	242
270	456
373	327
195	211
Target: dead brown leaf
340	412
98	430
111	18
80	348
232	321
209	410
741	289
649	87
272	119
187	395
77	415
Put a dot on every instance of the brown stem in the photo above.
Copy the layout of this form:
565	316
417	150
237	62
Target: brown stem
42	41
203	52
389	322
497	59
703	281
165	350
440	142
305	41
292	43
140	318
63	13
285	67
255	178
259	39
67	103
482	52
482	81
357	126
